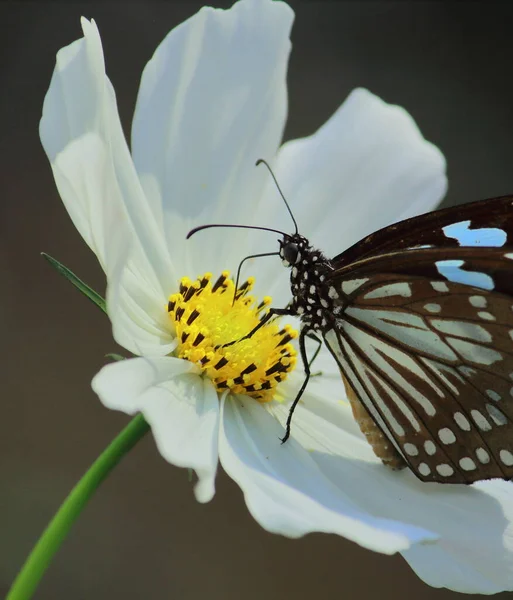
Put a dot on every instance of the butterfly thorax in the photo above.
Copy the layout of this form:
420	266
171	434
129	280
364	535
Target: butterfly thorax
310	268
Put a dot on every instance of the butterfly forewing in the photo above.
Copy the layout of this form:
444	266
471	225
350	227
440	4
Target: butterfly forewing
487	223
432	362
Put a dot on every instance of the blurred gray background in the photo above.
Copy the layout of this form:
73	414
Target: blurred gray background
144	535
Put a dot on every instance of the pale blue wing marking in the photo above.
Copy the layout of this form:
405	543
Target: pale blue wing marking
486	237
450	269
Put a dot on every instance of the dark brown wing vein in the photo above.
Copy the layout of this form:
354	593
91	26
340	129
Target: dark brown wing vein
406	411
476	432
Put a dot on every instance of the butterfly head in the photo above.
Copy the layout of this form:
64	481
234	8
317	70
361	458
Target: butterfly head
292	249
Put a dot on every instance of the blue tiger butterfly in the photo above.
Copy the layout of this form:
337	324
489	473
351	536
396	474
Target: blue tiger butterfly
419	318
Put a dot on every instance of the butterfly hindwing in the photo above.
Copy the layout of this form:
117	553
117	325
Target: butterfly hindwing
432	362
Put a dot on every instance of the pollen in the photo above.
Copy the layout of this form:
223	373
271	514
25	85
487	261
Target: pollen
207	316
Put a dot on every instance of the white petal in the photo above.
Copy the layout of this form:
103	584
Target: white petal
81	133
73	120
366	167
287	493
212	101
474	552
137	309
181	407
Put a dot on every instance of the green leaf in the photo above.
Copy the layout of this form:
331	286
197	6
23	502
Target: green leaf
77	282
50	541
114	356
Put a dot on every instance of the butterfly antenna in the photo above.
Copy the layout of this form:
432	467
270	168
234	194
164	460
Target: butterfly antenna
262	161
201	227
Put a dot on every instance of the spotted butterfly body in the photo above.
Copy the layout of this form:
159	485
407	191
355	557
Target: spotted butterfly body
419	318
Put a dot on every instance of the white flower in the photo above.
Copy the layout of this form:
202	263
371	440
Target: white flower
212	101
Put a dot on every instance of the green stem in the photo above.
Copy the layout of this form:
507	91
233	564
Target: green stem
39	559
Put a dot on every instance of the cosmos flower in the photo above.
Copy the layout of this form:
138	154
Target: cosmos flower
212	101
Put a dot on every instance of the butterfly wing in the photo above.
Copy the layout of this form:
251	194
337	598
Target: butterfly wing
486	268
427	348
484	223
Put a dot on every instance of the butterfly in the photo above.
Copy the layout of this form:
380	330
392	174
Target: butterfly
419	318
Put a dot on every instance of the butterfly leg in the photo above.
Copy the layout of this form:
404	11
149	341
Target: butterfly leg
302	349
316	353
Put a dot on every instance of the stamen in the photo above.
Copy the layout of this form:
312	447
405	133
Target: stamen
206	318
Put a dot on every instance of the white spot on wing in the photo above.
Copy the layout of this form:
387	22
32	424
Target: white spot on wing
433	308
411	449
445	470
474	353
467	464
486	315
400	288
478	301
493	395
446	436
462	421
429	447
348	287
462	329
498	417
439	286
506	457
482	456
480	420
424	469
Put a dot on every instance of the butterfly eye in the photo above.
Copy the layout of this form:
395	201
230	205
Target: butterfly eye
291	253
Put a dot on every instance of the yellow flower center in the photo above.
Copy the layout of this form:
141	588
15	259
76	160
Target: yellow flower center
208	316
